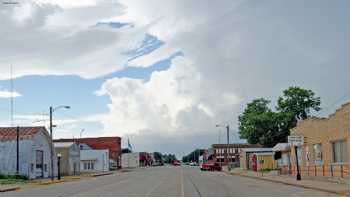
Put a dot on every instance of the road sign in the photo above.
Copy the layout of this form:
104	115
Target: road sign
296	140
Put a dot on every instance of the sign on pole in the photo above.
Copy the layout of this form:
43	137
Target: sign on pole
296	140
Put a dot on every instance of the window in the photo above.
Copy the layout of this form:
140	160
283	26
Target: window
317	154
88	164
85	166
339	152
45	167
92	166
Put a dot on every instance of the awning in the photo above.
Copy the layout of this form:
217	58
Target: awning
88	159
281	147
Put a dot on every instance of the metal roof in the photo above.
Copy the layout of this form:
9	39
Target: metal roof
63	144
281	147
10	133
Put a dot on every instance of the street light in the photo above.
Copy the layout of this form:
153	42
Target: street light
81	132
228	143
53	109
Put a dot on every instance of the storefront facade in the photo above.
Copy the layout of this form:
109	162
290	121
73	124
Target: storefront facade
326	148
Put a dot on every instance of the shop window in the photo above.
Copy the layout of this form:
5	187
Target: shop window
317	154
339	152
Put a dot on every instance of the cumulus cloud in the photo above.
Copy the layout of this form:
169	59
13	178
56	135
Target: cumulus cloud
234	51
173	104
41	38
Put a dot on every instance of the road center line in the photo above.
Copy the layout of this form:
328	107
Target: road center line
182	183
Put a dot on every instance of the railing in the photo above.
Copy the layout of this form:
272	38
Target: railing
336	170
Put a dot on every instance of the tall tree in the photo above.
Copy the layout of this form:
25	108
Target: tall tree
297	104
259	124
250	122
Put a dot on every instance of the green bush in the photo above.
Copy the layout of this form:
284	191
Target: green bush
266	170
15	177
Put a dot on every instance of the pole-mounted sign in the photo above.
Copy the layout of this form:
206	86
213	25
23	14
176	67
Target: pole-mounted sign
296	141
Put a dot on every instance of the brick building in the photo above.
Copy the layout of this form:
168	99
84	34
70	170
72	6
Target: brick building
326	149
233	150
113	144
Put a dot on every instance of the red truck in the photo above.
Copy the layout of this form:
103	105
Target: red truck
211	166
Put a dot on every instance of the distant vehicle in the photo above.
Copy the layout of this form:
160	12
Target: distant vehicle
210	166
176	163
193	164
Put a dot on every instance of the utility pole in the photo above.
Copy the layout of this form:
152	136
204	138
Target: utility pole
227	148
11	99
17	152
51	149
51	134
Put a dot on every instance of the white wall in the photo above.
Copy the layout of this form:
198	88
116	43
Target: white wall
27	149
74	157
100	158
130	160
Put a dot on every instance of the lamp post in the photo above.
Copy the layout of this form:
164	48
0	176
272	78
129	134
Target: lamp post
81	133
52	110
59	166
228	144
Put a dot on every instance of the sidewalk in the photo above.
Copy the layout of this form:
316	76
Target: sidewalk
68	178
341	189
8	188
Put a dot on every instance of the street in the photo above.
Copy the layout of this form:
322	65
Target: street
166	181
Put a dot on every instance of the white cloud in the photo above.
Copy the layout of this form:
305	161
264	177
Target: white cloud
172	102
9	94
42	38
234	51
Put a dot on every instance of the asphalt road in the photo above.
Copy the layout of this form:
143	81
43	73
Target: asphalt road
166	182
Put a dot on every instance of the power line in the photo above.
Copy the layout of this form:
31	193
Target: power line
333	104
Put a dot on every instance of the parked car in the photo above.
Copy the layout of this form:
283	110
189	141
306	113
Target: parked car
176	163
211	166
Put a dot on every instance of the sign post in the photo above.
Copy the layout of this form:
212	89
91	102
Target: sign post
296	141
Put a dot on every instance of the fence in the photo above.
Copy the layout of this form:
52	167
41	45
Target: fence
341	171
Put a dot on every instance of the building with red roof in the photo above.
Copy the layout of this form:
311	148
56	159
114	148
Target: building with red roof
113	144
34	152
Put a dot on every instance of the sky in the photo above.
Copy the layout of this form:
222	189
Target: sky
164	73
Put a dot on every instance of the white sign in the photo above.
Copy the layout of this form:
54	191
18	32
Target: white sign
296	140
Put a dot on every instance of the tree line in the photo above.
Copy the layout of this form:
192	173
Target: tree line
193	156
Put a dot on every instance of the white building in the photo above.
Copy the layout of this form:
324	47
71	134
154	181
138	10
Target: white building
70	157
94	160
34	152
130	160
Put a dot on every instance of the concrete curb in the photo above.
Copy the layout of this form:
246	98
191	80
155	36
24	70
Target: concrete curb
9	189
104	174
293	184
